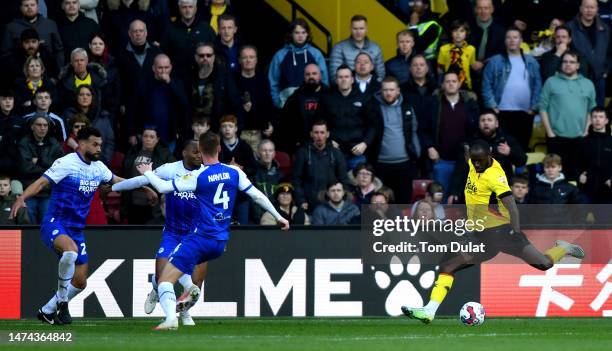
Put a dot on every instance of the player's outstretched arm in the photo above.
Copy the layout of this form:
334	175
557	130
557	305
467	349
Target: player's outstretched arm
131	183
30	191
265	203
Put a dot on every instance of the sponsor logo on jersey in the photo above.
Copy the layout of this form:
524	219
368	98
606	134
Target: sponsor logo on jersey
88	186
185	195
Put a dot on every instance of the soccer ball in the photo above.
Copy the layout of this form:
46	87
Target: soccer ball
472	314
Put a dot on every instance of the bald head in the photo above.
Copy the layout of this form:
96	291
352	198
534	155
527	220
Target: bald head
312	74
162	67
138	33
588	11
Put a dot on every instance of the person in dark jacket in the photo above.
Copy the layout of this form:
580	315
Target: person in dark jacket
46	29
316	165
120	14
85	101
595	178
301	110
506	149
397	147
74	27
212	90
10	133
420	89
37	152
255	120
350	125
366	81
179	41
592	40
13	61
399	66
550	61
227	43
135	61
454	120
77	73
285	205
7	199
161	101
337	209
137	205
99	54
238	153
267	175
487	35
552	188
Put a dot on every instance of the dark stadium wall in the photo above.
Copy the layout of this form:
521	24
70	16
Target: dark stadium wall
264	272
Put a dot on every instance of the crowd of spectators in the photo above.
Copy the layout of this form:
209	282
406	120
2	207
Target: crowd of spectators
320	136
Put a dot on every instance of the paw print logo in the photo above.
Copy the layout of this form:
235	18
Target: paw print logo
404	291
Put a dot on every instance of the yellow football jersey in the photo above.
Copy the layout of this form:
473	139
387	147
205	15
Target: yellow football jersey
481	189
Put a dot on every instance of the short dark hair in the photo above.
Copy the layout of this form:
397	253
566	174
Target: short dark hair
565	28
43	89
152	127
5	92
320	122
390	79
5	177
596	109
87	132
456	24
480	145
187	143
344	66
201	118
519	179
514	29
209	143
357	18
227	17
571	53
489	111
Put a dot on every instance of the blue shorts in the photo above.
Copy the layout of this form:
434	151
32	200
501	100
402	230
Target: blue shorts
168	243
50	230
195	249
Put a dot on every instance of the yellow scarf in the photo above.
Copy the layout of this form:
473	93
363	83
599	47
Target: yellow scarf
216	12
34	88
78	82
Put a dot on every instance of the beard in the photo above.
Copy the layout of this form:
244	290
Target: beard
205	69
311	85
92	156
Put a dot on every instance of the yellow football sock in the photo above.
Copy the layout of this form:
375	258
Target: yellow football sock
556	253
441	287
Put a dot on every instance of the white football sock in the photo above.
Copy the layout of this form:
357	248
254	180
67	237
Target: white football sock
432	307
65	272
51	306
167	299
185	281
73	291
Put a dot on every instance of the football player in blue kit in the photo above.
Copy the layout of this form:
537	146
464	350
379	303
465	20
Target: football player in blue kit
181	210
74	179
215	186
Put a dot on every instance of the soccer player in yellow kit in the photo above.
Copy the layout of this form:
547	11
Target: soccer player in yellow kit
487	181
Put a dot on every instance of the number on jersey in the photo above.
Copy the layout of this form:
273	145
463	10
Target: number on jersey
221	197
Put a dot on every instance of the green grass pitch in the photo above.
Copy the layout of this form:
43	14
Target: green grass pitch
324	334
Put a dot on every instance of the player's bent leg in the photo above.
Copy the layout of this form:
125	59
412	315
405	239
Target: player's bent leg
167	297
191	296
532	256
67	249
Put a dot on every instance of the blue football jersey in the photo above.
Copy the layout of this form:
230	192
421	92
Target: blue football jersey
182	207
73	184
215	187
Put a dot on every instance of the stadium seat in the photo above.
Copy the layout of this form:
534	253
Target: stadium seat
116	164
534	157
419	189
284	161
